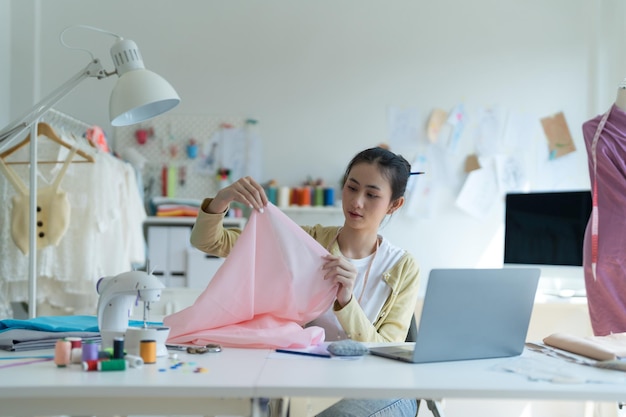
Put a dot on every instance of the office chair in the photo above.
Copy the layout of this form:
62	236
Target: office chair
433	406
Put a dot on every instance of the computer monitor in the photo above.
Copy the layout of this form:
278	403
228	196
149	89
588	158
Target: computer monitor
547	230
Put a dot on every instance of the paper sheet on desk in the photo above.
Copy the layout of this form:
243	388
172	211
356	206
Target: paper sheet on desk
539	367
270	285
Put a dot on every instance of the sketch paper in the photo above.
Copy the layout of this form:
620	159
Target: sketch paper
479	192
403	129
558	135
435	122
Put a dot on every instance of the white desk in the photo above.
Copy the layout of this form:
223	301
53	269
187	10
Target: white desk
236	377
376	377
43	389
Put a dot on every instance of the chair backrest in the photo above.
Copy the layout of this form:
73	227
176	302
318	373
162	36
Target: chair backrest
411	336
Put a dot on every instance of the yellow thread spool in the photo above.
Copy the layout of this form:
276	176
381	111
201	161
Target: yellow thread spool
147	351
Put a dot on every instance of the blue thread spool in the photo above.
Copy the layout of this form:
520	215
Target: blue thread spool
118	348
329	196
272	195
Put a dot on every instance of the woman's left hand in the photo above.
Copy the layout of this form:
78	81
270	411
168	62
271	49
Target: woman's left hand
340	271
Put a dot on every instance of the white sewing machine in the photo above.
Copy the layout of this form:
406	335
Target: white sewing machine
118	295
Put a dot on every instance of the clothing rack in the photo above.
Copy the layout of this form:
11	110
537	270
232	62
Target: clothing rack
67	123
76	129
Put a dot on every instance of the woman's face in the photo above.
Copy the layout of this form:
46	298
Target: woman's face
366	197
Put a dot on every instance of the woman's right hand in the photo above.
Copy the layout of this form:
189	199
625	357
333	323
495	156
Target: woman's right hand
245	191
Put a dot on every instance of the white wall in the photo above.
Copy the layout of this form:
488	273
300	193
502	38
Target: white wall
320	77
5	75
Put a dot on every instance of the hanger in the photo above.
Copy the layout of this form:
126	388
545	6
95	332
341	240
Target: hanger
47	131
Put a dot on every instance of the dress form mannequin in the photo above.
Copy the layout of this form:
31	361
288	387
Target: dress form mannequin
604	261
620	101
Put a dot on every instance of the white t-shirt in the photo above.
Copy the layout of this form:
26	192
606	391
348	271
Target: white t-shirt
376	291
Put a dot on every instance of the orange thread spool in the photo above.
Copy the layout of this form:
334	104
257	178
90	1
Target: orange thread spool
147	351
305	196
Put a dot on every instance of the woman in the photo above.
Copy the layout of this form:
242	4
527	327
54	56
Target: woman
377	282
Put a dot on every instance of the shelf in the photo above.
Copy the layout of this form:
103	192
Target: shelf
313	209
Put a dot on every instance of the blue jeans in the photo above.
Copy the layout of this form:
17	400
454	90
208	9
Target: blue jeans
402	407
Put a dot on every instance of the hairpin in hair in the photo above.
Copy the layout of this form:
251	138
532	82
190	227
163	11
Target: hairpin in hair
416	173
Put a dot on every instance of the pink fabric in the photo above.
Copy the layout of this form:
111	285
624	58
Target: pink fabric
269	286
606	291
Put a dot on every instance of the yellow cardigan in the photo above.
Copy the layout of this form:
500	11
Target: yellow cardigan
392	324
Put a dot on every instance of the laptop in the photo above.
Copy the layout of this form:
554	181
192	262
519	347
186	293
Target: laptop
471	314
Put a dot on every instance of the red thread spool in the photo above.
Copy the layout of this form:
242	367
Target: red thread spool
90	365
76	342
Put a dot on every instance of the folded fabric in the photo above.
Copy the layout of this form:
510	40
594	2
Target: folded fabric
53	324
268	287
43	332
17	340
595	348
61	324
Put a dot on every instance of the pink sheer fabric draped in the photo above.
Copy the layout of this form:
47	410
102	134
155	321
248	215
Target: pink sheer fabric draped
606	291
269	286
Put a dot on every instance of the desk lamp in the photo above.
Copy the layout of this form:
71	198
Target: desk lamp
138	95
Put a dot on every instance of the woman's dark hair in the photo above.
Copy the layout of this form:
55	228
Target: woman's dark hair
393	167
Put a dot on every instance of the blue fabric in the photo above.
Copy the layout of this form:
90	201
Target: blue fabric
62	324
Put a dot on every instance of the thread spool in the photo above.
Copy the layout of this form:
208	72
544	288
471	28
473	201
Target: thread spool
118	347
318	199
305	196
62	353
91	365
134	361
329	196
112	365
105	354
76	342
284	196
272	195
76	356
90	351
147	351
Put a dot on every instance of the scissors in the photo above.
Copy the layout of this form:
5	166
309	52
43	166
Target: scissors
211	347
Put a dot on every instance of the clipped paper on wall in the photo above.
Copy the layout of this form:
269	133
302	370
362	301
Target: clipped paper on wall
557	132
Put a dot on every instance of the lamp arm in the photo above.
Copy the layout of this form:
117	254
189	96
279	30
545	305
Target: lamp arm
20	125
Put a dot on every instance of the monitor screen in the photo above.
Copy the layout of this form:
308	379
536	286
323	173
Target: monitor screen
546	228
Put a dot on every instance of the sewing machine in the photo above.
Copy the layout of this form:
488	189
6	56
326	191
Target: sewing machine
118	294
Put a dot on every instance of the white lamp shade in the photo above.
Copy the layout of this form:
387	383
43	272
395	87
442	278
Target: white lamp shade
140	95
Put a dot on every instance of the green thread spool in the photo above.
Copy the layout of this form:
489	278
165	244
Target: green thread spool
112	365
